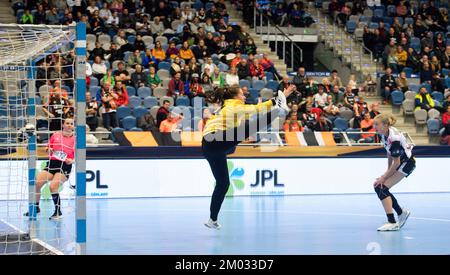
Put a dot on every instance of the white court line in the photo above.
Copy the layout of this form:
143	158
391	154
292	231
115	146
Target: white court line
46	245
340	214
286	212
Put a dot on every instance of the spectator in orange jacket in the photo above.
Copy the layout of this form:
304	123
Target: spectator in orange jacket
170	124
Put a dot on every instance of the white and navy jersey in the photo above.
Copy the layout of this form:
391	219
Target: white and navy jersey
396	145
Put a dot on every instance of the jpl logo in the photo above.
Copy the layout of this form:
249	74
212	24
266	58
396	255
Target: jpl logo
266	176
263	178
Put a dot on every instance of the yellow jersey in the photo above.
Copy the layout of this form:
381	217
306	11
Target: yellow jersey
233	112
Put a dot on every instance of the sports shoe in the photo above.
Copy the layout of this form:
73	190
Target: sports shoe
212	224
281	101
38	210
389	227
403	217
56	215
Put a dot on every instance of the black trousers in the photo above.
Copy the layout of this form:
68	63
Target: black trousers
217	145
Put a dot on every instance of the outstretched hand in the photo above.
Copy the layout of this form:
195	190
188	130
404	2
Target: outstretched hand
289	90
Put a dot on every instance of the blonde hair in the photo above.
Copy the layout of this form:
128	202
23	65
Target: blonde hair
386	119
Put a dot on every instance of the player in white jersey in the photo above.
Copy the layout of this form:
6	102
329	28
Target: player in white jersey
401	163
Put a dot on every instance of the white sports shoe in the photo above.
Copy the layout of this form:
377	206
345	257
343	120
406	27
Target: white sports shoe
389	227
403	217
281	101
212	224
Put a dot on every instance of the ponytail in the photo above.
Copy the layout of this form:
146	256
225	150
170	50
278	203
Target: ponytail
218	95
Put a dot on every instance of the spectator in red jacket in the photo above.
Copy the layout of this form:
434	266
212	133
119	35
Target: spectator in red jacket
176	86
268	66
257	71
122	94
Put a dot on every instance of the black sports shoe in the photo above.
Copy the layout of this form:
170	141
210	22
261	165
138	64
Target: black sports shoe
56	215
38	210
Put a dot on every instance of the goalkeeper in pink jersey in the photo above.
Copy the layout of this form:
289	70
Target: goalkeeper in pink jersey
61	148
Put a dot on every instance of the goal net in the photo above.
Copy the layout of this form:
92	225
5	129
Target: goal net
41	86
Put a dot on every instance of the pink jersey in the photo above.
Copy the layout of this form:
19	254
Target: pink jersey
62	147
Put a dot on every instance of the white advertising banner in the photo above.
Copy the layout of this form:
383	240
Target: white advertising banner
193	177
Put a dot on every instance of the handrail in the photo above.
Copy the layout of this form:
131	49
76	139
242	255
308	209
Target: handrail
270	21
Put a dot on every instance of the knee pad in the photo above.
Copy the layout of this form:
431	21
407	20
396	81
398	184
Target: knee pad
382	192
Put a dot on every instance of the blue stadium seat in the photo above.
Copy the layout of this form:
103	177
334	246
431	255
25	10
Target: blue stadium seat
131	90
136	129
258	84
244	83
437	96
3	110
378	12
115	131
373	25
408	71
128	122
197	5
17	111
273	85
351	26
414	87
143	92
182	101
433	126
150	101
254	93
131	39
18	122
123	111
445	72
164	65
391	10
409	20
447	82
397	98
126	55
134	101
3	122
140	111
94	81
223	67
353	133
341	124
94	90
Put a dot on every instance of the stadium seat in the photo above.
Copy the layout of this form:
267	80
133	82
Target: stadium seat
140	111
123	111
341	124
258	84
244	83
397	98
144	92
437	96
433	113
408	106
131	91
134	101
163	65
182	101
273	85
433	125
128	122
420	116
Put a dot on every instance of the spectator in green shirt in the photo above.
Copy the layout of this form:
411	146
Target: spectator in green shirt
27	17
